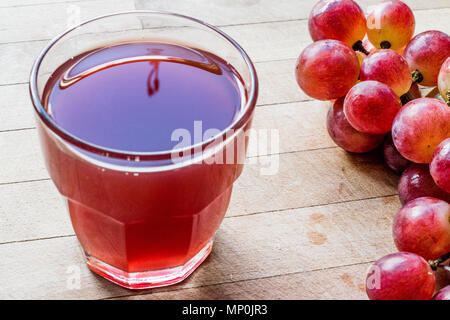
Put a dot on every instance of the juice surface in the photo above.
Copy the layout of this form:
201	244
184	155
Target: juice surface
131	97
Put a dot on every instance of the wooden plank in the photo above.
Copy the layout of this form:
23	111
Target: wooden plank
342	236
17	60
221	11
342	178
347	282
301	127
277	86
32	210
247	247
24	3
21	157
45	21
276	79
287	39
342	283
16	111
277	82
225	12
23	161
21	148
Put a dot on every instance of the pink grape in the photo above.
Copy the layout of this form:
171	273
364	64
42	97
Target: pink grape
443	294
341	20
419	127
440	165
392	157
388	67
327	69
345	136
417	182
390	25
422	226
371	106
426	53
400	276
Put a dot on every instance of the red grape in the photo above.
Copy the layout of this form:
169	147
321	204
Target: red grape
443	294
419	127
426	53
440	165
345	136
341	20
327	69
390	25
444	81
392	157
422	226
417	182
371	106
388	67
400	276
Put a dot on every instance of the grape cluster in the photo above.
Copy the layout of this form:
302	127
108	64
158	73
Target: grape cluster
371	68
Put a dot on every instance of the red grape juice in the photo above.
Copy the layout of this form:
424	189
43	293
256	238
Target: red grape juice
132	97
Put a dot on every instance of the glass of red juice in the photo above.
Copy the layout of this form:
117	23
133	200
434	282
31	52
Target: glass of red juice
144	120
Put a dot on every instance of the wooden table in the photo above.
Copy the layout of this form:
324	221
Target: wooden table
308	232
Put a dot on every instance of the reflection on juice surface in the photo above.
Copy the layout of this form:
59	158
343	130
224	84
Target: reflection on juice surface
132	97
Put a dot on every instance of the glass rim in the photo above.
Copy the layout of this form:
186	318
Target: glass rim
50	123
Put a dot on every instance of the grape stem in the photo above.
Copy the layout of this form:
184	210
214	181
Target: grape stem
407	97
417	77
358	46
448	98
434	264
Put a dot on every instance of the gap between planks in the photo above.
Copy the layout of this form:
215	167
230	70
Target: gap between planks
354	236
240	281
218	25
229	217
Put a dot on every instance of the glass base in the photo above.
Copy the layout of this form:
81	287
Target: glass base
148	279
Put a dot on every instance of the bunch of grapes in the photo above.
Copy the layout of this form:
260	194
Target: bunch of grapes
371	68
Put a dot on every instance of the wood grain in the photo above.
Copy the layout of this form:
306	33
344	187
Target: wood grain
308	232
32	3
16	111
346	281
246	248
226	12
45	21
28	20
339	173
276	79
22	157
287	39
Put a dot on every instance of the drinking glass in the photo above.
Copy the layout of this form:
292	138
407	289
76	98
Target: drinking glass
144	219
